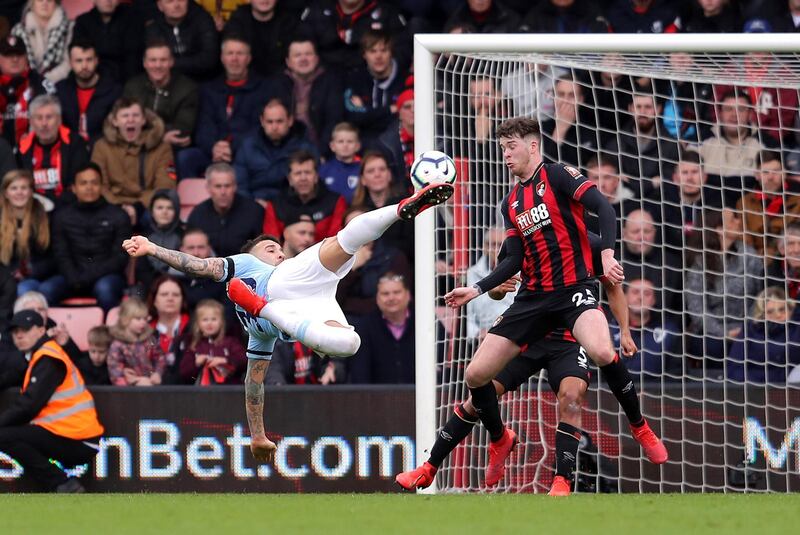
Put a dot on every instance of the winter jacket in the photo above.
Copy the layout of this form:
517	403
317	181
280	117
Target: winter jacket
93	375
762	227
168	236
382	359
39	265
193	41
262	166
106	92
87	240
392	146
764	352
213	123
268	40
375	115
500	19
658	348
229	347
357	290
119	42
326	209
53	175
41	48
340	177
774	108
141	354
660	17
723	158
325	106
16	95
132	172
228	232
176	104
580	17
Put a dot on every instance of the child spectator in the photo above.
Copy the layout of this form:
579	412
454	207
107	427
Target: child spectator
212	358
340	173
134	358
93	364
164	230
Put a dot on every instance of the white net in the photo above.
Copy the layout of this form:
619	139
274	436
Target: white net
698	154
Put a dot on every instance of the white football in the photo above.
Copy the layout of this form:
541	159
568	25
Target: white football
432	167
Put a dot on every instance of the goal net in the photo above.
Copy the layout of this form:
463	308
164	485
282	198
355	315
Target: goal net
698	153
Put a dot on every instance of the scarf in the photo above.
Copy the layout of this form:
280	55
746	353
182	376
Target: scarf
345	23
56	45
773	204
407	143
15	96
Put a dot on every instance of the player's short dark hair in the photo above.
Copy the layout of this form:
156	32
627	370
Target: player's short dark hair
249	244
302	156
519	127
373	37
766	156
83	43
602	159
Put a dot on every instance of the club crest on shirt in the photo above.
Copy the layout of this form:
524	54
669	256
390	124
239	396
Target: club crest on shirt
572	171
541	188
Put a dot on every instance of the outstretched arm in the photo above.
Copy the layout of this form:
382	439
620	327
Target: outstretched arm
619	308
262	448
213	268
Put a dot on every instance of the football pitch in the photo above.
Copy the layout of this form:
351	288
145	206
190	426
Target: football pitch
382	514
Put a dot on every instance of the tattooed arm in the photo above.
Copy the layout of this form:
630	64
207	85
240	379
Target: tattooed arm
262	448
213	268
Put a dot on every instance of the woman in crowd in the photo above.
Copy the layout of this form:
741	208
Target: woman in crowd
133	157
169	317
25	234
134	358
211	358
768	348
46	31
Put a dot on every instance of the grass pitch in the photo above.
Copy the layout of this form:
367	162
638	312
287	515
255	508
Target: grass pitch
383	514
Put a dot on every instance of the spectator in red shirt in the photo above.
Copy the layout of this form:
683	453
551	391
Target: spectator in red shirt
305	195
212	358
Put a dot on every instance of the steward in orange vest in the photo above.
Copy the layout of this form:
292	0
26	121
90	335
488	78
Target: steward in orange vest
54	416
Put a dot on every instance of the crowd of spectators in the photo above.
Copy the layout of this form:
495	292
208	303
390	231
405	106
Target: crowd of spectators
300	115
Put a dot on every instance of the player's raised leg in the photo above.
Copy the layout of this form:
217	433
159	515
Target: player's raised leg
591	332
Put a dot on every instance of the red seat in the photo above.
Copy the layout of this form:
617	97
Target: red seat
191	192
78	320
112	317
78	302
76	7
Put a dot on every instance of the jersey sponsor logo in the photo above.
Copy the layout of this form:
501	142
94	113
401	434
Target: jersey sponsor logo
534	219
541	188
572	171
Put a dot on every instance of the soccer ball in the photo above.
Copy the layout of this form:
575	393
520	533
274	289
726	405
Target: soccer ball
432	167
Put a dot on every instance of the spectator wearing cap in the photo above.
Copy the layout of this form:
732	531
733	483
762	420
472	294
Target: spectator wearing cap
305	195
485	16
117	34
133	157
789	21
87	94
54	417
312	92
51	150
644	16
338	26
190	32
229	107
86	242
172	95
298	234
371	90
267	27
397	141
46	31
19	85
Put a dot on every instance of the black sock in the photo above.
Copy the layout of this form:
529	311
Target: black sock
567	439
454	431
484	399
620	382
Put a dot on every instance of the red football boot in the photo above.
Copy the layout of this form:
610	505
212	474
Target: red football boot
430	195
652	445
560	487
498	453
245	297
419	478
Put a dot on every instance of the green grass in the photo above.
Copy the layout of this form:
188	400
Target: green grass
383	514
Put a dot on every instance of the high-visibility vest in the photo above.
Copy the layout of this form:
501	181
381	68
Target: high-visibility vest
70	410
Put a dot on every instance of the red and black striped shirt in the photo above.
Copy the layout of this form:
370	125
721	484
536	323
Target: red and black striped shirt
545	212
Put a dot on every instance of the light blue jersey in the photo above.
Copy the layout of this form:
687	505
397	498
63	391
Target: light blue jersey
262	333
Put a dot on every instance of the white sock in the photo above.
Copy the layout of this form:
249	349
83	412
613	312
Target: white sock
366	228
327	339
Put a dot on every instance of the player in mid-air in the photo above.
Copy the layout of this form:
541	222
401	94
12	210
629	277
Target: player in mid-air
301	292
547	241
567	373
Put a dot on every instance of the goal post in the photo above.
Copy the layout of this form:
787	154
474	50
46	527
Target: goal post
724	434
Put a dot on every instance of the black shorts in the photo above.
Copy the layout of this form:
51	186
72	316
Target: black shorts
561	359
531	317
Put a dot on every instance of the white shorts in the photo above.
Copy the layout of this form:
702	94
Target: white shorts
303	286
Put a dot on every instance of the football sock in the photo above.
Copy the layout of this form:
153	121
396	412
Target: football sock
366	228
484	399
454	431
567	440
620	382
319	336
